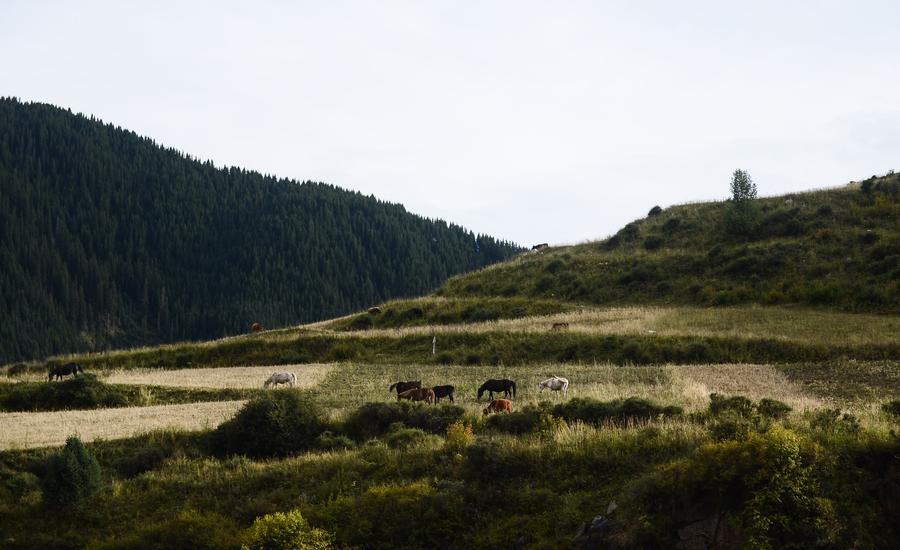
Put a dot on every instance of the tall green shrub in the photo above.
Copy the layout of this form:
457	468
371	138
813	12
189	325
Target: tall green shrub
285	531
762	486
279	423
72	475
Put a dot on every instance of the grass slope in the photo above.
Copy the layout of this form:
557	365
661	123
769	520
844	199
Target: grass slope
835	248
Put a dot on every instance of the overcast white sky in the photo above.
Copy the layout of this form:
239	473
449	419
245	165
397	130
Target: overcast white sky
530	121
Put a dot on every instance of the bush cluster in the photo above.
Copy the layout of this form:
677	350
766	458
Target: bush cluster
285	531
375	419
892	408
736	417
833	421
531	418
763	495
198	530
82	392
593	411
388	516
276	424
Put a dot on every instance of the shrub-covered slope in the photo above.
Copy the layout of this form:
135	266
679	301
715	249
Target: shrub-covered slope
836	248
108	239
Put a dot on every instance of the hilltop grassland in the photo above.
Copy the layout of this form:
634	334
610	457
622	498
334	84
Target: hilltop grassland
835	248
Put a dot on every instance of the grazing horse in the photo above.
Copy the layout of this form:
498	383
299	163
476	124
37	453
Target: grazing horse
403	386
554	383
256	327
418	394
508	387
65	370
443	391
498	405
559	326
288	378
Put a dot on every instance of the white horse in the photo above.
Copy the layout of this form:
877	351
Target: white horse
554	383
281	378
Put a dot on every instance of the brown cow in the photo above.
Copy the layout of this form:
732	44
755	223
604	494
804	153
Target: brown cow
559	326
256	327
418	394
498	405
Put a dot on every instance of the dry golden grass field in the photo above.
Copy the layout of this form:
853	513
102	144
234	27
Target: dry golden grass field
308	375
41	429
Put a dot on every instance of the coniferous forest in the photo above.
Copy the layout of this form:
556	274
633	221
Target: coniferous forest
108	239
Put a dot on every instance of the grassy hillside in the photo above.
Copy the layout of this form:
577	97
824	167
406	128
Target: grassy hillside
108	239
835	248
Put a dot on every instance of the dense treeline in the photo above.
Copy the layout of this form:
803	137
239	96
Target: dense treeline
108	239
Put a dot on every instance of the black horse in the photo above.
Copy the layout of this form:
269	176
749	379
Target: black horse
508	387
403	386
65	370
443	391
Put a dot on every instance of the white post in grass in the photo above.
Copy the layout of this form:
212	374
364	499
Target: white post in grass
433	345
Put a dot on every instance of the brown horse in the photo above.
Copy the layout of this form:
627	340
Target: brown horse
418	394
497	406
256	327
559	326
374	310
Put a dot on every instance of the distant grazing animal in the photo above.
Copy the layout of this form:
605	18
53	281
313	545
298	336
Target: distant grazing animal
508	387
256	327
403	386
65	370
288	378
559	326
498	405
443	391
374	310
554	383
540	246
418	394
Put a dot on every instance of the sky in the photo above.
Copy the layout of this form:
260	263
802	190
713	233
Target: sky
530	121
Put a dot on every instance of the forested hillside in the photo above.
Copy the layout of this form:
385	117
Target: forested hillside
108	239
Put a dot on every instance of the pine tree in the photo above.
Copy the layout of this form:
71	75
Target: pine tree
72	475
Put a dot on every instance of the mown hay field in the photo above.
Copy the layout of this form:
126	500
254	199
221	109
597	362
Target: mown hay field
41	429
215	378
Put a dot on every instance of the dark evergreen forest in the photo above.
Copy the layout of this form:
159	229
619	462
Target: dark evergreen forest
108	239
